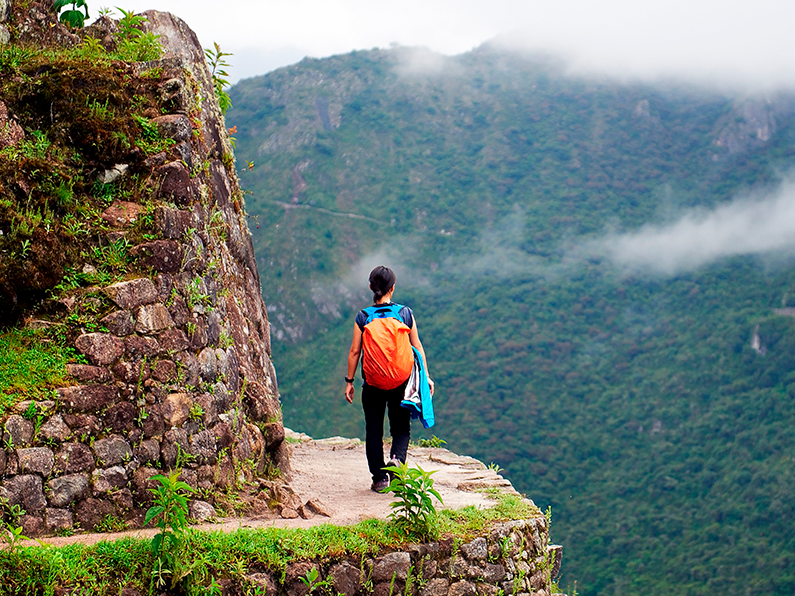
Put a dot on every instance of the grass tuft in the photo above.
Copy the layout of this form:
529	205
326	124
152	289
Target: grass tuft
32	364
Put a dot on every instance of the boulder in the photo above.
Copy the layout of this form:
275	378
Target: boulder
121	417
152	318
165	371
148	452
87	398
74	457
67	489
435	587
121	213
477	550
119	323
161	255
112	450
201	511
25	490
137	347
173	223
176	408
174	126
462	588
346	578
88	374
202	446
18	431
108	479
57	519
208	365
92	512
36	460
173	340
176	184
101	348
132	294
55	429
392	565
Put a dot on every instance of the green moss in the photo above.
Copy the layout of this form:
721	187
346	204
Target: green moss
82	113
32	364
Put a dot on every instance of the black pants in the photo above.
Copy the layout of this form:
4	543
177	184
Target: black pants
374	402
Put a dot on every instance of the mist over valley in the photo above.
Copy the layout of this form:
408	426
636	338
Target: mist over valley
598	268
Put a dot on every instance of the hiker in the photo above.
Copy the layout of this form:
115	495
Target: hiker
385	336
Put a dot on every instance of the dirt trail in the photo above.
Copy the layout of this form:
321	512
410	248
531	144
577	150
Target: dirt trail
333	472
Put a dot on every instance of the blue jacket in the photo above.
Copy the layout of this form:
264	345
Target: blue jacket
418	393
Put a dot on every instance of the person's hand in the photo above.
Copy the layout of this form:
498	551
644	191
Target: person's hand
430	383
349	392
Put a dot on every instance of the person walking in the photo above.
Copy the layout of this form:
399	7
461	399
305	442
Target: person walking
383	336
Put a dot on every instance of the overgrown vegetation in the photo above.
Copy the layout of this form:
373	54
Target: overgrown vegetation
633	404
32	364
81	110
107	567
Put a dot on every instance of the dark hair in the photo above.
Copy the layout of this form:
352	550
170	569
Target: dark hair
382	279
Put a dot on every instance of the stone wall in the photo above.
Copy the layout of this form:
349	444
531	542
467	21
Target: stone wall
509	558
179	369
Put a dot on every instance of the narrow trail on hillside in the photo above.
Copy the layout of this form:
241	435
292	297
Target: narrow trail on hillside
333	474
326	211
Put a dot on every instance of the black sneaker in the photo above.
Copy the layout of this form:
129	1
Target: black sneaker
380	486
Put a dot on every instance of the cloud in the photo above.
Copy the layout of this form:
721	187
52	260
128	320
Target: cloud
732	44
738	41
747	226
413	61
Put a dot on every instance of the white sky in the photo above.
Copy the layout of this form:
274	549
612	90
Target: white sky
736	42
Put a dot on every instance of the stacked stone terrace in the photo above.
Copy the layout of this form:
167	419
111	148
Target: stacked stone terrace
180	372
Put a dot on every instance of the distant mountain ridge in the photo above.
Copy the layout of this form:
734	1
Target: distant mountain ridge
633	403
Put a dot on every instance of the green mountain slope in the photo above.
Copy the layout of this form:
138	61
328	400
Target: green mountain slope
632	403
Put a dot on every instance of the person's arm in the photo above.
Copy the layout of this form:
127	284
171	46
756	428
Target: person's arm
414	337
353	360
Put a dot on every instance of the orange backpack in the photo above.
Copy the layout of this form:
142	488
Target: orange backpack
388	357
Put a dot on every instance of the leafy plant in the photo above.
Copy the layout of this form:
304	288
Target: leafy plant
151	141
11	532
73	17
196	412
133	44
170	510
114	256
220	77
434	442
494	467
312	581
414	510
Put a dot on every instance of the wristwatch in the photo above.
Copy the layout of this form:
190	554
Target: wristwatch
347	380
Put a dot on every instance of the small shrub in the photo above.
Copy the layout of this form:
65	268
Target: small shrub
171	512
133	44
220	77
434	442
414	511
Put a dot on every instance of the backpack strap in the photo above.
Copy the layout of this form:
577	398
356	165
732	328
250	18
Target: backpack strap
383	311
